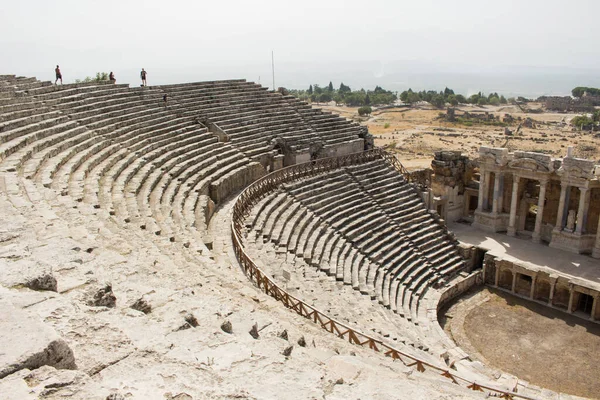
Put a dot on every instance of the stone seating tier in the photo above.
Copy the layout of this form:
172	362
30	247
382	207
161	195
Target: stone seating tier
334	223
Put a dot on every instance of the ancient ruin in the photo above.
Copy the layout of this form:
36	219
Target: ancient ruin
130	269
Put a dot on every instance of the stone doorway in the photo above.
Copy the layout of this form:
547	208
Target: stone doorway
584	304
528	206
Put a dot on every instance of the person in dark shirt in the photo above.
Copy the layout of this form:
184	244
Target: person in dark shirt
111	77
143	76
58	75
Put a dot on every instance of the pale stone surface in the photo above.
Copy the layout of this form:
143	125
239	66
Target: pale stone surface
28	343
124	352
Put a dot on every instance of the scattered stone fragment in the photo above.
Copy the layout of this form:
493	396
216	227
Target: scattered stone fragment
288	351
302	342
191	320
115	396
43	282
104	298
340	381
284	335
226	327
28	343
142	305
254	331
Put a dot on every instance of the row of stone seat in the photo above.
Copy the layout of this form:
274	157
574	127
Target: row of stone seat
333	128
374	234
401	202
109	146
238	108
242	108
338	301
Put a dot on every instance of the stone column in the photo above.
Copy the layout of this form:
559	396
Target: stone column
561	208
501	194
484	273
594	308
570	307
486	190
512	230
552	286
481	191
514	282
584	201
537	237
497	277
532	290
495	200
596	251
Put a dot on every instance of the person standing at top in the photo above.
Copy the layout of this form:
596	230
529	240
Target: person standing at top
58	75
111	77
143	76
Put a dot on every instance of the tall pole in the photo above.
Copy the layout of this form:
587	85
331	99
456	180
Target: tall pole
273	68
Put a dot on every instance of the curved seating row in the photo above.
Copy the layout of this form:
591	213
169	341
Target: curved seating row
253	118
366	226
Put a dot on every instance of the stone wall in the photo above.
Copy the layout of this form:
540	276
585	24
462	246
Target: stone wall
235	181
342	149
459	287
452	172
569	104
539	285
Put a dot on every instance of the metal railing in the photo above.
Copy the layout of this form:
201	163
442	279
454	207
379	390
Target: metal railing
257	190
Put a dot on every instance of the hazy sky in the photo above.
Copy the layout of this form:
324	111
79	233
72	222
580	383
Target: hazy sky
198	40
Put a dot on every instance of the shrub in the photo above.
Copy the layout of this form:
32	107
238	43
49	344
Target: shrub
365	111
387	125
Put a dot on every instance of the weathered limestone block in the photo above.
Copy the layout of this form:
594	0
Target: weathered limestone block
28	343
43	282
142	305
103	297
27	273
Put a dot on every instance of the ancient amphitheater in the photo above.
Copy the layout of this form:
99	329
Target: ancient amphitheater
238	243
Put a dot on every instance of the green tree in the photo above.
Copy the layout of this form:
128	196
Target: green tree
365	111
367	99
437	101
578	91
461	99
325	97
344	89
413	98
474	99
310	89
503	100
330	87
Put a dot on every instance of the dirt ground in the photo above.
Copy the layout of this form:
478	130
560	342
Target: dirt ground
416	133
533	342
